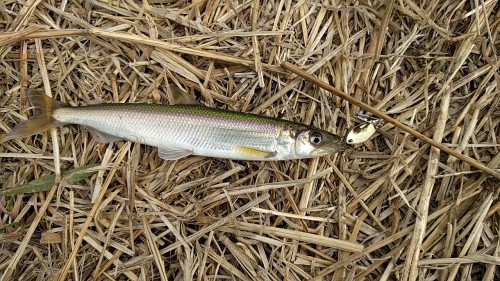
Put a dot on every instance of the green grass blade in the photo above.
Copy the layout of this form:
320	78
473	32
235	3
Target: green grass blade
45	183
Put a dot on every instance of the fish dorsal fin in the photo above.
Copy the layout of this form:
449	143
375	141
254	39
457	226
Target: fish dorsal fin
255	153
181	97
173	153
103	137
96	101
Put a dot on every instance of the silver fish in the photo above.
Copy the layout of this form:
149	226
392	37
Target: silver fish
182	130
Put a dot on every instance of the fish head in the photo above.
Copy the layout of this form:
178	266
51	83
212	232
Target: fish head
312	142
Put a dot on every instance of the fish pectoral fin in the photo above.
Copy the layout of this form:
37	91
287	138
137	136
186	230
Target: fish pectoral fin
173	153
103	137
255	153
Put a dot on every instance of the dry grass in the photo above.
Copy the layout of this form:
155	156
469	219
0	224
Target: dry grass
393	208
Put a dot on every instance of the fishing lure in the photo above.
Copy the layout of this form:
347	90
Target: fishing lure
365	130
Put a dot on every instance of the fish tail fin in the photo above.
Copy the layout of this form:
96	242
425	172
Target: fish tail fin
42	120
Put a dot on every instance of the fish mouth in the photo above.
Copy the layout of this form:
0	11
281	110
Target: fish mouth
331	148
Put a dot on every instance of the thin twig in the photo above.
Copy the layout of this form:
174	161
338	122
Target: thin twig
387	118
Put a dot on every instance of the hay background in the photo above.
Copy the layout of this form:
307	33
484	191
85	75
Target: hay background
431	64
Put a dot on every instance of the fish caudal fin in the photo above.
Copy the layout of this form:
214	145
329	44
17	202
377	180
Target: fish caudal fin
42	120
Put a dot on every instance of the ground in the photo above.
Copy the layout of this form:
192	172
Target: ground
392	208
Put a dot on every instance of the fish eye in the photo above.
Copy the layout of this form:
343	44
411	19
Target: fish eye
316	138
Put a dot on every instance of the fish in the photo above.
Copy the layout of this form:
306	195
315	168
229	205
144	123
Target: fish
182	130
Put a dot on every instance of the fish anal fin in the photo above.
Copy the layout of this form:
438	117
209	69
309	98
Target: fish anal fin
255	153
103	137
173	153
